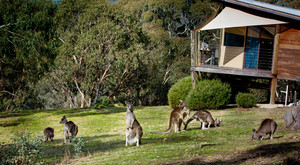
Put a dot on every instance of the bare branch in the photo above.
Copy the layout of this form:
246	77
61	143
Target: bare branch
9	93
166	77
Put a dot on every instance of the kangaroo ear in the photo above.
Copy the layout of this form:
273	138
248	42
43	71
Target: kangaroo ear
253	130
126	102
180	101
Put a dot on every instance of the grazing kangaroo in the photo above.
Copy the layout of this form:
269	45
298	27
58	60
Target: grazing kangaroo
69	127
177	117
49	133
267	126
134	131
205	119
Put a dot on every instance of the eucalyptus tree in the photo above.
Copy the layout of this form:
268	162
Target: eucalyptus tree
27	41
102	49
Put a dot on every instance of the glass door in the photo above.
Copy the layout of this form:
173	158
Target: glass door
259	48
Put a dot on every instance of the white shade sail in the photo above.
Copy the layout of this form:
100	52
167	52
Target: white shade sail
230	17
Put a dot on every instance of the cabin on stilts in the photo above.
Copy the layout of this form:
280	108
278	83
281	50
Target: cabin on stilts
257	40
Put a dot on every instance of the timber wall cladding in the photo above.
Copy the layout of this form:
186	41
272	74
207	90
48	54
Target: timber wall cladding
289	53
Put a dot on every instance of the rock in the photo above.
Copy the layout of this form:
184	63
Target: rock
293	117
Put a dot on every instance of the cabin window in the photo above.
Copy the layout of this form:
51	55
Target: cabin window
234	37
259	47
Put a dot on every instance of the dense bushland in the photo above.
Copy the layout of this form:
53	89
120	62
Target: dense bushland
72	53
68	55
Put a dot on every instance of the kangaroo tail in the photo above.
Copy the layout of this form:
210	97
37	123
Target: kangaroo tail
76	130
290	127
167	131
188	121
276	126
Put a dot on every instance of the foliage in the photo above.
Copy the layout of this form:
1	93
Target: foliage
25	149
104	50
209	94
68	56
246	100
28	39
103	102
179	91
79	145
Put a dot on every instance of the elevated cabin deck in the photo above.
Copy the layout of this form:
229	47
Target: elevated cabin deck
232	71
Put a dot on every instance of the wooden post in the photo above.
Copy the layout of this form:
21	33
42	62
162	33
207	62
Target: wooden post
193	58
193	62
198	48
274	68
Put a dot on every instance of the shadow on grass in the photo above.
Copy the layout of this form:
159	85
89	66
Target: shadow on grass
18	113
76	112
284	150
95	144
12	123
57	148
88	112
166	139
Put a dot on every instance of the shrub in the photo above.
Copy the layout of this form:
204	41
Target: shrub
103	102
79	145
209	94
246	100
179	91
25	149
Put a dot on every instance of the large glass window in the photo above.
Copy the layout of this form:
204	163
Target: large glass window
234	37
259	48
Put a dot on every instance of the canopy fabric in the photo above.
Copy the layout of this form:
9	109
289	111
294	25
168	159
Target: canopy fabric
230	18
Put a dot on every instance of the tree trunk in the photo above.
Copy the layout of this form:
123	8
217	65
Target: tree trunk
70	99
82	101
75	101
90	102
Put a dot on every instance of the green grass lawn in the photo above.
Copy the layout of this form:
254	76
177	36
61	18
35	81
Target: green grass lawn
104	134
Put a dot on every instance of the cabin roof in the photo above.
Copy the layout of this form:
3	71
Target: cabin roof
285	12
239	13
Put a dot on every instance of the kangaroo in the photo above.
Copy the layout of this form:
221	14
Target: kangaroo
49	133
69	127
134	131
205	118
177	117
267	126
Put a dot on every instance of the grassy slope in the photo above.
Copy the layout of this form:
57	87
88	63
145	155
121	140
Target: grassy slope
104	134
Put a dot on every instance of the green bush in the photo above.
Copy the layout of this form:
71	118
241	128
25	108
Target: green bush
245	100
179	91
25	149
103	102
209	94
79	146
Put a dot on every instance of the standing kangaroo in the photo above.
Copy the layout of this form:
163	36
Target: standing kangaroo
205	118
49	133
177	117
267	126
69	127
134	131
